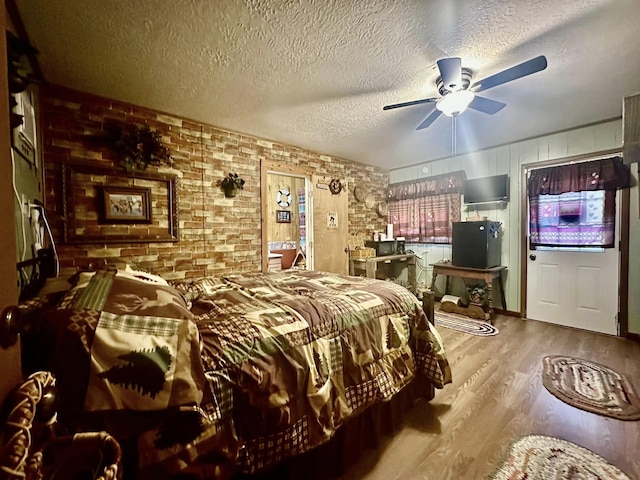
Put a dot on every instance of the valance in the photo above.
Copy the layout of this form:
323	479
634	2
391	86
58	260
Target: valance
606	174
437	185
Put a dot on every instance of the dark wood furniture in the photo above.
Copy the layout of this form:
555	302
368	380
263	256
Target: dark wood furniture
428	304
488	275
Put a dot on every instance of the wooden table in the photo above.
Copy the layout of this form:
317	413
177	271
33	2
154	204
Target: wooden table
370	266
488	275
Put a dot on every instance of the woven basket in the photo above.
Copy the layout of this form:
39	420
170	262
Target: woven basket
357	248
366	252
30	449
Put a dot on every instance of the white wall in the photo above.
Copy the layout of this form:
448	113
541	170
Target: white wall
509	159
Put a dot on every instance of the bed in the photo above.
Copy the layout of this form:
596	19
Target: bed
230	376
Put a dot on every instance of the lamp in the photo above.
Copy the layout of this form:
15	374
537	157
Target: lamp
455	103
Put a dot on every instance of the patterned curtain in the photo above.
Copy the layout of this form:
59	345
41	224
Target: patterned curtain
573	219
422	211
605	174
573	205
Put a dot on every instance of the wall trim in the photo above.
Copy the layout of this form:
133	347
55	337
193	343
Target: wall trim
633	336
525	139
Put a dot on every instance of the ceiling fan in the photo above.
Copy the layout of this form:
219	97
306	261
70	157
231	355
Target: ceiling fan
457	92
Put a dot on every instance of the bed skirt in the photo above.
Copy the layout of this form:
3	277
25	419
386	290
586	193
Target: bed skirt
364	431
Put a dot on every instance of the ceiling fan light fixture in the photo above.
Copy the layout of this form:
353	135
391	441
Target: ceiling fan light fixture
455	103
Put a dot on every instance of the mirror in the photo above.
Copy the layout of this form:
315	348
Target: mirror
286	217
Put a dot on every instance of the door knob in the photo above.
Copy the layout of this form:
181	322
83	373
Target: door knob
532	256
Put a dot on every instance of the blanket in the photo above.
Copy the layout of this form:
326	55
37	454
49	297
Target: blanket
270	364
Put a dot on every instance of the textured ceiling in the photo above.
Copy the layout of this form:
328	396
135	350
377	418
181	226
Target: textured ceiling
316	73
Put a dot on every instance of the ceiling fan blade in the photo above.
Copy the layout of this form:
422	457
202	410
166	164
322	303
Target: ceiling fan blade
451	73
408	104
486	105
522	70
429	120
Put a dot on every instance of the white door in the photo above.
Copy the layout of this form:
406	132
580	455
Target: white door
575	288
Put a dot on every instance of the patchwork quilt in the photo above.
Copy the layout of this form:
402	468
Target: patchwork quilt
272	364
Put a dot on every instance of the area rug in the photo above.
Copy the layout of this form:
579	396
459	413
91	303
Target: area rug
590	386
537	457
464	324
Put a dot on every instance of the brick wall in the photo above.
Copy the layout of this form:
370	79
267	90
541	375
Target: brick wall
216	235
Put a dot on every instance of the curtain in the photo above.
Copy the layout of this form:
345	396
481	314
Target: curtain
439	184
422	211
573	205
573	219
605	174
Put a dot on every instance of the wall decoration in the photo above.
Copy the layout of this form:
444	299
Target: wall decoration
382	209
126	205
359	194
103	206
369	202
332	219
283	198
138	147
335	186
231	184
283	216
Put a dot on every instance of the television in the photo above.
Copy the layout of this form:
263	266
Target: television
487	189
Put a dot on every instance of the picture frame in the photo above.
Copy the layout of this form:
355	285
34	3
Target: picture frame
332	220
125	205
283	216
87	192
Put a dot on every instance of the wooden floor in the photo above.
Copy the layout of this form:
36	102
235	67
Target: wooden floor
497	396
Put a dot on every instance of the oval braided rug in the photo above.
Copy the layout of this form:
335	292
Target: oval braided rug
538	457
464	324
590	386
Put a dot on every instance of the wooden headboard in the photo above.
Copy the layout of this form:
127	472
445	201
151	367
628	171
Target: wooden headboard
32	275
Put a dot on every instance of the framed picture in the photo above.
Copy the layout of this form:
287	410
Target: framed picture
109	206
126	204
332	219
283	216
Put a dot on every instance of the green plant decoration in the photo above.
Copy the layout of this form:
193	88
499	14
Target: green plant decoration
139	147
231	184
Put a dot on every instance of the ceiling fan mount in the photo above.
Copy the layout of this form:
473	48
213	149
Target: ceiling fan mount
444	89
457	92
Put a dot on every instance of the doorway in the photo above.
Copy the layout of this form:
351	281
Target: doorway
287	217
576	287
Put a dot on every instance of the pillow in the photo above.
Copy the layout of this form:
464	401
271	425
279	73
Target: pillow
124	294
129	272
124	343
55	287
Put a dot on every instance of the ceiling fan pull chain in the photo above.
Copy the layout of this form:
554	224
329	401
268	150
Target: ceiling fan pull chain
453	136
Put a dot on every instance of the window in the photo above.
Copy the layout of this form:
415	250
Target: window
422	211
573	205
573	219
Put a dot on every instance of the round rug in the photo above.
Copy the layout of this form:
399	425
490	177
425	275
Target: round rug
538	457
590	386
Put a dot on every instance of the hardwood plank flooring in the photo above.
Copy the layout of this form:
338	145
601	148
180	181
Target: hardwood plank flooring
497	396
